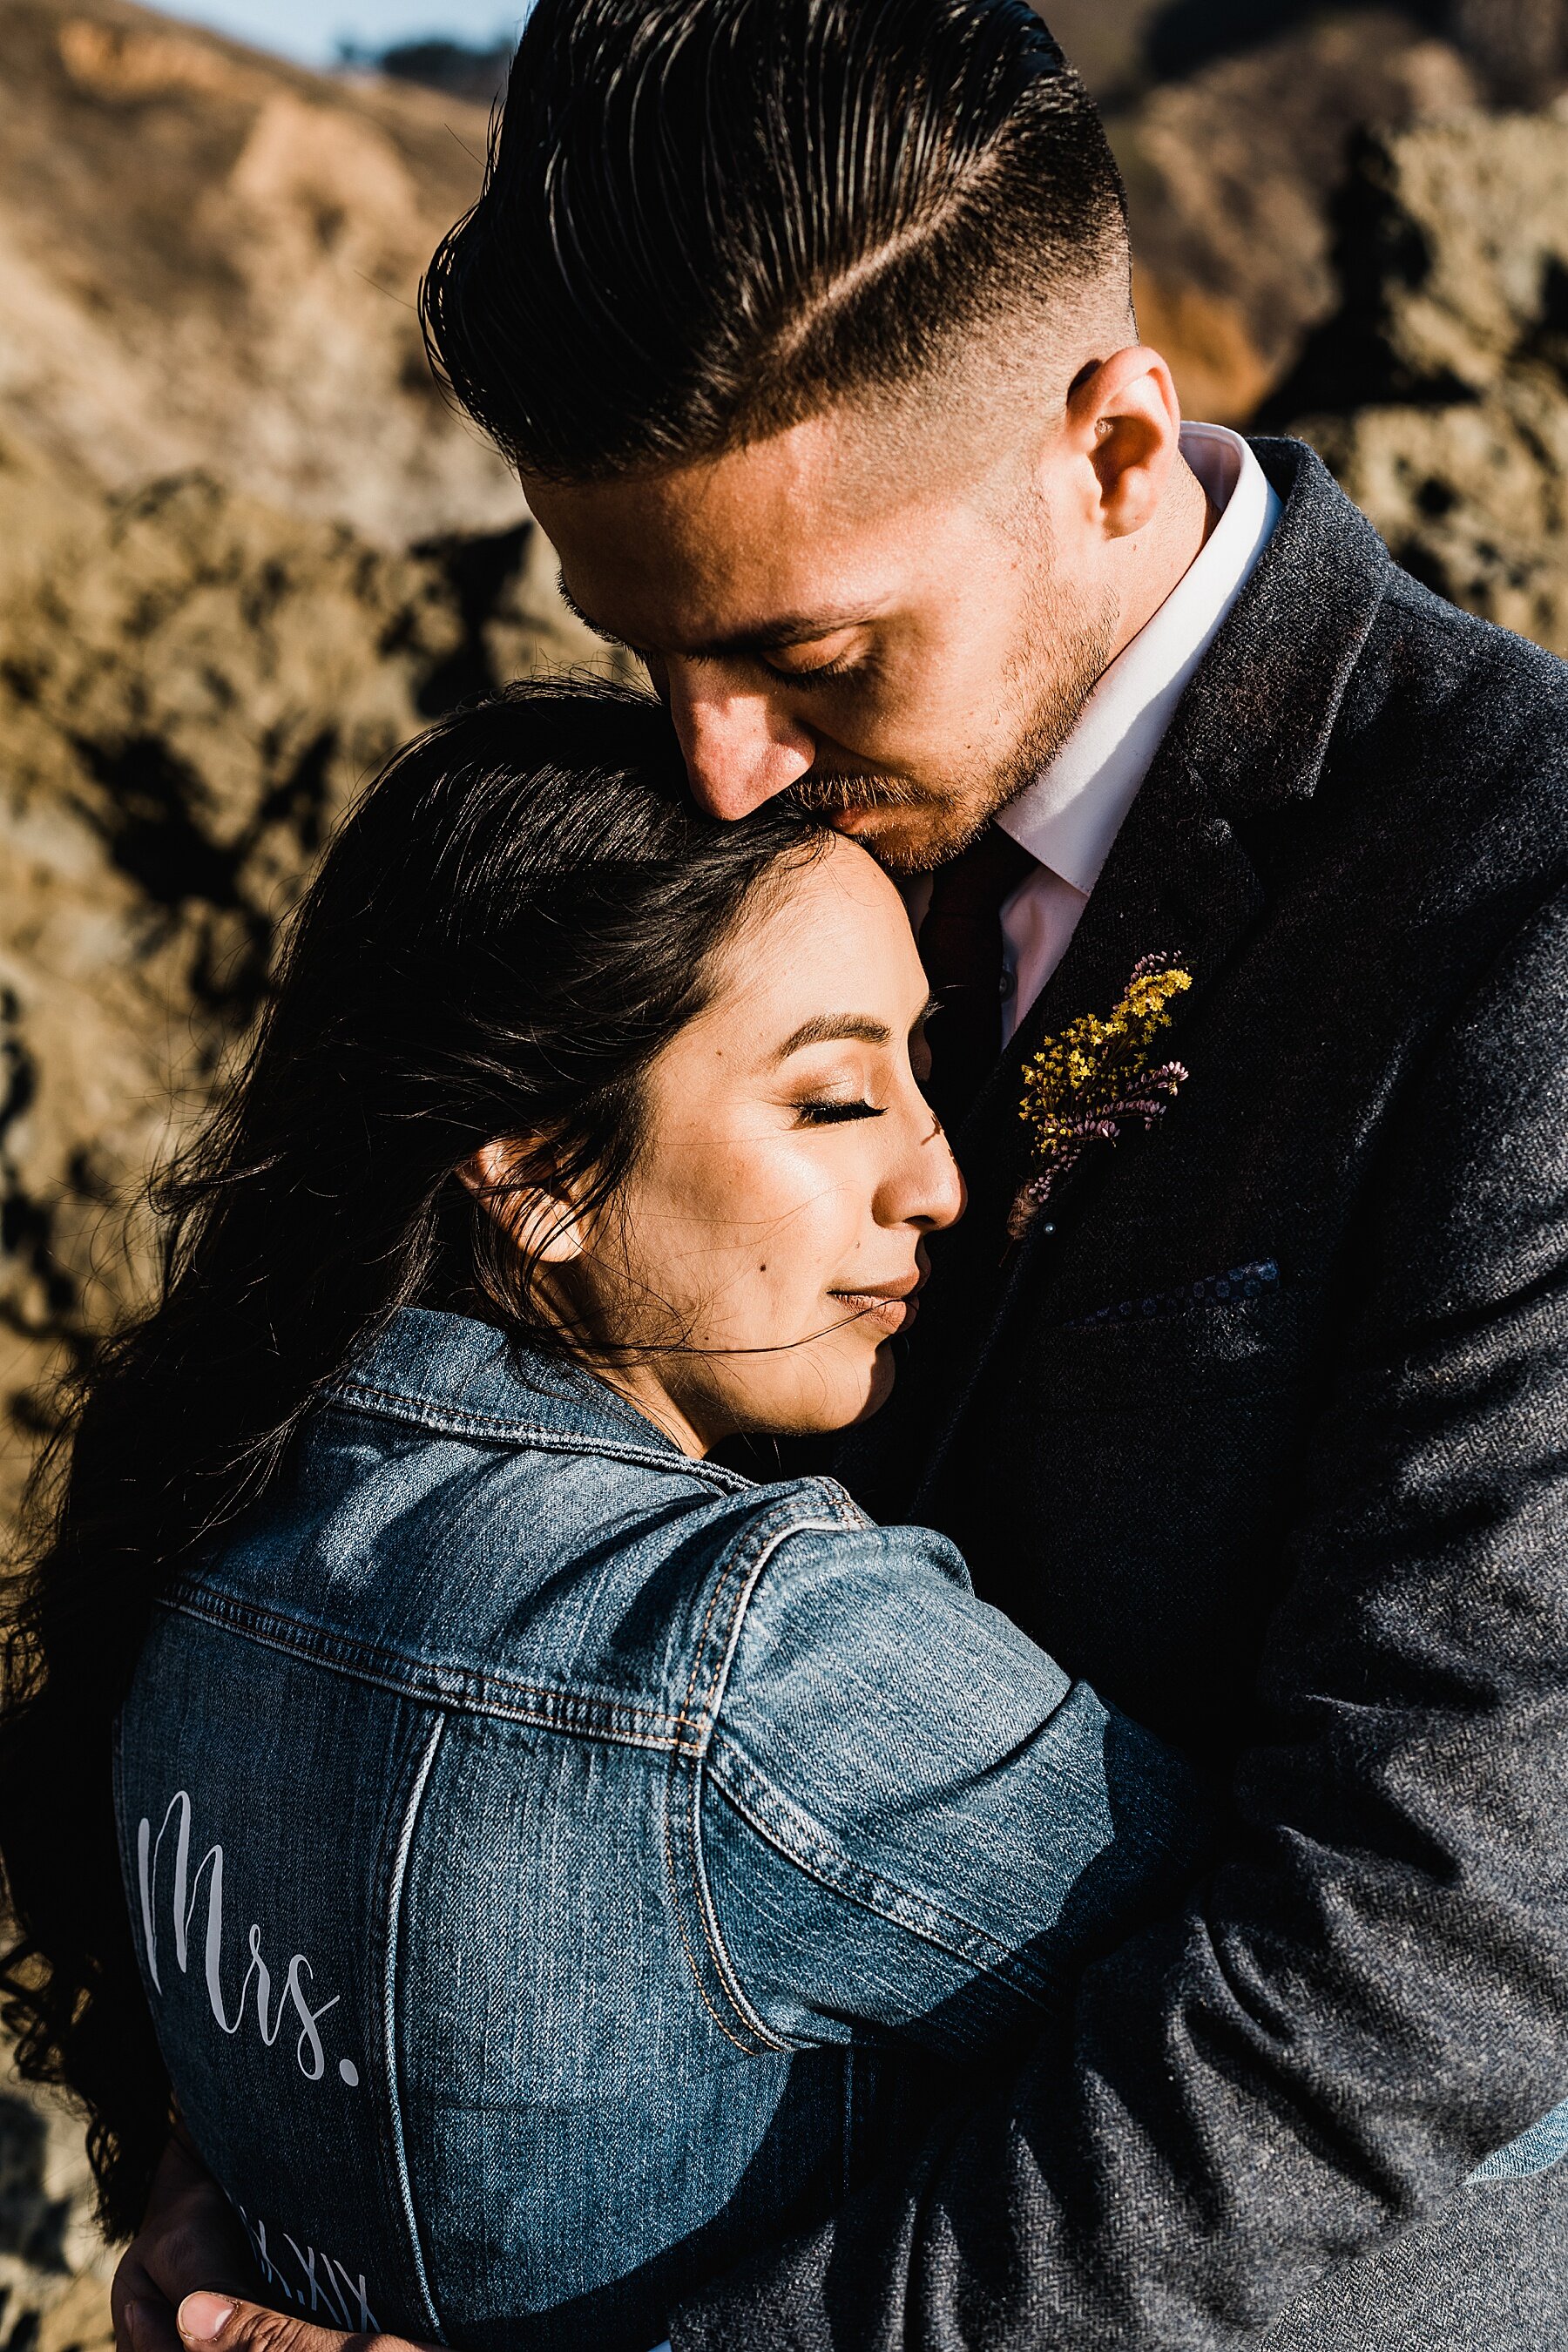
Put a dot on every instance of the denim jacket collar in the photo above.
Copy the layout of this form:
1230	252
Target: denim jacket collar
438	1371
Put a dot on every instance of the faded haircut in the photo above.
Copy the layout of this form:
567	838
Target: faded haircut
705	220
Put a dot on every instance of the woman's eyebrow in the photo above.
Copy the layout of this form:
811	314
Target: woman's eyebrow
827	1028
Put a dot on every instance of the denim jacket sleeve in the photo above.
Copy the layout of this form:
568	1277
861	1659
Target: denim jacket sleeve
915	1824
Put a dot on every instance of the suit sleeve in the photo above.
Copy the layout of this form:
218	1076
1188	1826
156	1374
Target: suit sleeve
1370	1993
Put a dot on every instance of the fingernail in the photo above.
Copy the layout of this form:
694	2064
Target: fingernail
202	2317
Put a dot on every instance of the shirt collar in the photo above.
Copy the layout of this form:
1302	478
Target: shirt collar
1069	817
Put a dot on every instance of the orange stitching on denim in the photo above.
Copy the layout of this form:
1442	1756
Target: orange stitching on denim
919	1914
726	1482
724	1968
741	1550
756	1553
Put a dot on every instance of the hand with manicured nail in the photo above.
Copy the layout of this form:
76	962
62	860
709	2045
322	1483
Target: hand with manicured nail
202	2317
186	2283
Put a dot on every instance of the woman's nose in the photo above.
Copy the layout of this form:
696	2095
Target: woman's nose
934	1192
739	748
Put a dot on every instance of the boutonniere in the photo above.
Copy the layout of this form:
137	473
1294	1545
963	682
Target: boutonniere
1081	1085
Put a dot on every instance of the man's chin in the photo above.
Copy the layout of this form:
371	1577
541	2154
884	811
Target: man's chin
908	840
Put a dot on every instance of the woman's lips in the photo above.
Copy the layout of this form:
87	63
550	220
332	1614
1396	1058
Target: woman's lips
891	1305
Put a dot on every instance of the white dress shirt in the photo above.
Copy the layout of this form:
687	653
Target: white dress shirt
1069	817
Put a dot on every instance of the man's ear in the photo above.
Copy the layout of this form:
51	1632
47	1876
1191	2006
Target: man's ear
542	1225
1125	418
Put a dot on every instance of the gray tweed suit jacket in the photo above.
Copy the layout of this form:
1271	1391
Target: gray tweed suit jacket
1312	1522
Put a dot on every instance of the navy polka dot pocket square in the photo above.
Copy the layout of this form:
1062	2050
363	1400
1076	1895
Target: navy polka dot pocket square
1237	1283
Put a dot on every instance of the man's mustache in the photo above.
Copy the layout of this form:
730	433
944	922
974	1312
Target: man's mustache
832	794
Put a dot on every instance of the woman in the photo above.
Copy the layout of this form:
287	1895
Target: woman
555	1863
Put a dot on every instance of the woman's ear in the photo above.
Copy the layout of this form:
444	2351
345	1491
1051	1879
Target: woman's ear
542	1225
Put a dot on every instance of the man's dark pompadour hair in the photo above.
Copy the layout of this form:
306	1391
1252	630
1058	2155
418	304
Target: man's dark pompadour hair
704	220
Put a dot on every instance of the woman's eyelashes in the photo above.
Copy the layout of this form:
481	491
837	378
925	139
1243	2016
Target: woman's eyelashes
832	1111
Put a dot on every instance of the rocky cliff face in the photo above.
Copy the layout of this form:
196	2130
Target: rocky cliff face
208	258
54	2270
1234	122
192	687
1230	172
1439	392
244	550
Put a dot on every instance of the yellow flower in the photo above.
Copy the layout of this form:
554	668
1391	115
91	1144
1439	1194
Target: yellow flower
1084	1072
1081	1087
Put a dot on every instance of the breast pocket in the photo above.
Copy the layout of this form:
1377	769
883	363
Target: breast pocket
1239	1334
1125	1487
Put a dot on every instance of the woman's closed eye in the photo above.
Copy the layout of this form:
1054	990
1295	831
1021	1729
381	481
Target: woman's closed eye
831	1110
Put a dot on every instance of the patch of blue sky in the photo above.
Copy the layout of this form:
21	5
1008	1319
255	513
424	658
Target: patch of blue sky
312	32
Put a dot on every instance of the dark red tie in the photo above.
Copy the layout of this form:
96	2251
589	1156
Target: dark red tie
962	949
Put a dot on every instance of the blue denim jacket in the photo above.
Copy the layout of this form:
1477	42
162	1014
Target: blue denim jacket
561	1868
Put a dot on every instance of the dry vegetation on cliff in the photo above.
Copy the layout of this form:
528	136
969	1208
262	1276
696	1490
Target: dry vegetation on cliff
1439	392
191	685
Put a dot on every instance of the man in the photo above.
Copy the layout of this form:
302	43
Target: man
808	329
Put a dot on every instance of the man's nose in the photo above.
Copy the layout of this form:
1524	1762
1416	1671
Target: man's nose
739	748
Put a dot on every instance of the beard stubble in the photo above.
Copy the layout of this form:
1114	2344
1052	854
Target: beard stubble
1062	655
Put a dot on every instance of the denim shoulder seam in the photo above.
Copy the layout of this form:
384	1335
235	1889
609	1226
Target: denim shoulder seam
428	2317
515	1432
751	1551
743	1566
466	1690
806	1845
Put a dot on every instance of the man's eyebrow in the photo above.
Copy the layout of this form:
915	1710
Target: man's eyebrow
790	629
772	637
577	614
828	1028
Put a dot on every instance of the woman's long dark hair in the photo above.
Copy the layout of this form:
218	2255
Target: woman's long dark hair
522	911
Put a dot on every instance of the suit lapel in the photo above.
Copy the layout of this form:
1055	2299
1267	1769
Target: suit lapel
1177	883
1250	733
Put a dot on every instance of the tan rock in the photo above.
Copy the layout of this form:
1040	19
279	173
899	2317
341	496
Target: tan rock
1229	173
1437	391
54	2270
192	688
208	257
